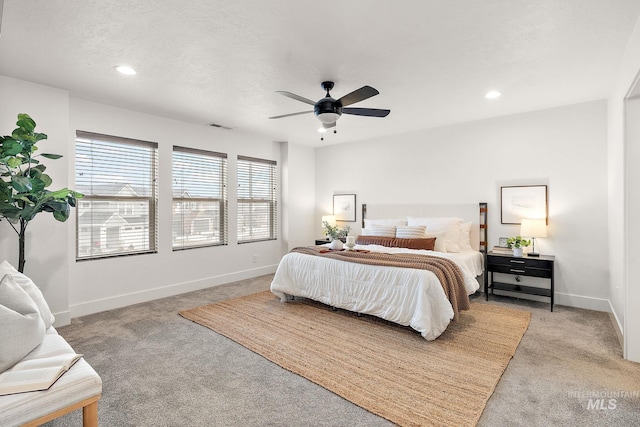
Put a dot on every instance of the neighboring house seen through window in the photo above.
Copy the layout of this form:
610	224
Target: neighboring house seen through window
199	198
257	200
118	214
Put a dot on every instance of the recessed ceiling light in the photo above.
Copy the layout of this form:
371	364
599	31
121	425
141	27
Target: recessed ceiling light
492	94
124	69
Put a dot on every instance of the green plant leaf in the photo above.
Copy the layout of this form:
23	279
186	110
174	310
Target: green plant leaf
24	199
59	194
28	213
26	122
14	162
40	136
51	156
38	184
11	147
21	184
46	179
61	216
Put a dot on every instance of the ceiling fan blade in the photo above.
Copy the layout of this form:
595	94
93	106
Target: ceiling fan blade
358	95
328	125
291	114
296	97
371	112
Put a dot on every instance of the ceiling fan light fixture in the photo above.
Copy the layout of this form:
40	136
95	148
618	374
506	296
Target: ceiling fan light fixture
328	117
328	110
322	130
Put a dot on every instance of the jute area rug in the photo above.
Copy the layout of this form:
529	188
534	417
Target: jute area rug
387	369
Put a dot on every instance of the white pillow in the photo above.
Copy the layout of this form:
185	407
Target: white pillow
32	290
465	236
410	231
22	327
441	241
371	222
383	230
451	225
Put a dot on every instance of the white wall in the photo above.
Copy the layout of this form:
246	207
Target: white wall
564	148
107	283
77	288
46	238
298	201
624	202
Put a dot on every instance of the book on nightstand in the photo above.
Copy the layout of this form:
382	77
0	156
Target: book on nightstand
36	374
502	250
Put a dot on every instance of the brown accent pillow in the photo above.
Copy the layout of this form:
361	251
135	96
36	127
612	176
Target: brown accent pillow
394	242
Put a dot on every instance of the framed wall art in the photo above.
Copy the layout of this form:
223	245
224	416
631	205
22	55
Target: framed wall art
344	207
529	201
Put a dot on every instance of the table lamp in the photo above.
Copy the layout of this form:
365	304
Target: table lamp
329	219
533	228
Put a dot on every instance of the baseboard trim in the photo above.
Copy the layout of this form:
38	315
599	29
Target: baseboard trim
118	301
617	326
63	318
569	300
579	301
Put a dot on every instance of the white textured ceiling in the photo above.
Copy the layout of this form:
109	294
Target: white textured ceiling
222	61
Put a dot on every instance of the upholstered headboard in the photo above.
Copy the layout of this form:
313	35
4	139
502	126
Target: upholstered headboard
474	212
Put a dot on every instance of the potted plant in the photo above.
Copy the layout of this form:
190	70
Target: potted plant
336	234
517	243
23	182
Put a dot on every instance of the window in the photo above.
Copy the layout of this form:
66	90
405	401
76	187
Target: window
199	198
118	177
257	209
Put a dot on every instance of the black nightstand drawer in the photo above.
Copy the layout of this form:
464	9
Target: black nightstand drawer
541	267
520	262
521	269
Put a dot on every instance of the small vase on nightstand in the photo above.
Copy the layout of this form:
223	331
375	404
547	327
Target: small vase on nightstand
336	244
517	252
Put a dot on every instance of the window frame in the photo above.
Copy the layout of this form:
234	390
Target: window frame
272	201
223	201
152	199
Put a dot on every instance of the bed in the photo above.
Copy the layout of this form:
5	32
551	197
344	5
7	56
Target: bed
414	297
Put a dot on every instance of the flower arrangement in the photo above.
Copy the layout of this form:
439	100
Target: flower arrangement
335	232
517	242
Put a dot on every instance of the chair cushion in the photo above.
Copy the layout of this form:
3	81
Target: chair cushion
22	327
31	289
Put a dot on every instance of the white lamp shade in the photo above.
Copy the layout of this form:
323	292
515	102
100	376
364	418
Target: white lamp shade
329	219
533	227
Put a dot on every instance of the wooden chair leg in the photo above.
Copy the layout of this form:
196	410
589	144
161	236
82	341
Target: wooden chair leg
90	415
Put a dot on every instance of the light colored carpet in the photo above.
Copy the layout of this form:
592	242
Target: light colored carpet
387	369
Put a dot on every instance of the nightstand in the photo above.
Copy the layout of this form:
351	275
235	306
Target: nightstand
541	266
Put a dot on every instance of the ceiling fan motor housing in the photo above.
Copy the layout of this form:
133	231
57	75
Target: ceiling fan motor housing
328	110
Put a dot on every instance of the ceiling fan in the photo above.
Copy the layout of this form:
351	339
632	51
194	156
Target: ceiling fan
329	110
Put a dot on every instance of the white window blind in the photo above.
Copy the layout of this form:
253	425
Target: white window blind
257	200
199	198
118	213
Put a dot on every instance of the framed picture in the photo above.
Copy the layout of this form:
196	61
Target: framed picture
528	201
344	207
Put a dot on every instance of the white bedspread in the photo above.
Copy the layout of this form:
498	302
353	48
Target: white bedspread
406	296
